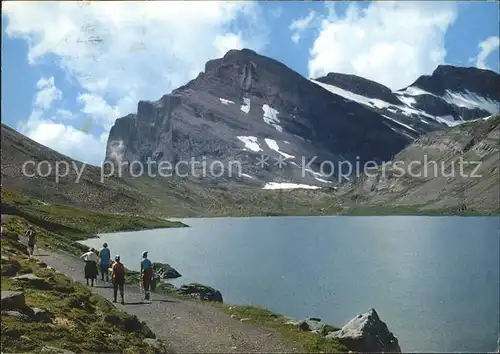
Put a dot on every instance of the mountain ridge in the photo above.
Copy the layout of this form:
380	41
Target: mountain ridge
245	103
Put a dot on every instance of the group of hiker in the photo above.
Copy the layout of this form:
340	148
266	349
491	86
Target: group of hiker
96	260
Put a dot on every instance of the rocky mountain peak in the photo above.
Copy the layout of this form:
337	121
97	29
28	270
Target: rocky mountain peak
461	79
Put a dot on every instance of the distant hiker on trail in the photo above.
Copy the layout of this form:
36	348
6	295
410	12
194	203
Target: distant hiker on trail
30	234
105	261
118	278
146	274
90	269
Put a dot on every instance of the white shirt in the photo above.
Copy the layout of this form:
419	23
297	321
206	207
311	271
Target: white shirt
90	256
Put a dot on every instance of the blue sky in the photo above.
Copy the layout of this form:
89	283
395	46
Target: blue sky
69	70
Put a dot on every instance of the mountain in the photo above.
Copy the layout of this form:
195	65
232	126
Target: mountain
457	167
245	104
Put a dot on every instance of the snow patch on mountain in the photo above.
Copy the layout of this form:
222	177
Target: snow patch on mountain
371	102
247	176
245	107
322	180
413	91
226	102
449	121
271	117
407	100
250	143
471	100
402	124
273	145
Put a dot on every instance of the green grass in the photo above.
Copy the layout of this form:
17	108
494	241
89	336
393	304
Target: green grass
306	341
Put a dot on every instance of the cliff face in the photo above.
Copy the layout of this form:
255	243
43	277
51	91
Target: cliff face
452	168
244	105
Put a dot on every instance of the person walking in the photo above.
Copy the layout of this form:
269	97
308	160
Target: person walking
90	269
146	275
104	261
30	234
118	279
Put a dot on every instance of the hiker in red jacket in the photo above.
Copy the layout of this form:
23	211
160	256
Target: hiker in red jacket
118	278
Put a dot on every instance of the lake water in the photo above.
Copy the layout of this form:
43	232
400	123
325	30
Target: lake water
433	280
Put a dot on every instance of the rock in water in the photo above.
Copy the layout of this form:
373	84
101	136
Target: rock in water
367	333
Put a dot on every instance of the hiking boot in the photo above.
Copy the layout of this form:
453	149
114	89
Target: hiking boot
123	302
114	301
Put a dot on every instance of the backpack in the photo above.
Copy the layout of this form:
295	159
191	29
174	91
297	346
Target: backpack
118	270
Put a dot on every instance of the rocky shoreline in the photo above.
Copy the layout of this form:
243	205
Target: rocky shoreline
364	333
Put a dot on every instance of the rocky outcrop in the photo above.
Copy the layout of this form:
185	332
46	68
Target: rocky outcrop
367	333
165	271
201	292
315	325
13	300
33	281
451	168
41	315
10	267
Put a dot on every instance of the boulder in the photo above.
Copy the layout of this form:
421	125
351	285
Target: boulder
40	315
17	314
202	292
10	267
314	326
33	280
13	300
367	333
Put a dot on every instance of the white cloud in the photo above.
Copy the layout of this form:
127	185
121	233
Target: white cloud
120	53
47	94
224	43
487	47
65	139
389	42
299	25
64	114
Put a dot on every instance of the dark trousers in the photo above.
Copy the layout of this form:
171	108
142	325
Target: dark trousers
146	284
104	271
118	285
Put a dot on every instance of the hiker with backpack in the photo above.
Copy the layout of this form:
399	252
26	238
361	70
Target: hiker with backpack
118	278
30	234
90	269
146	275
104	261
